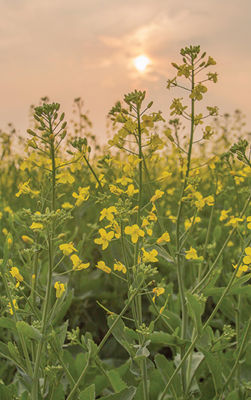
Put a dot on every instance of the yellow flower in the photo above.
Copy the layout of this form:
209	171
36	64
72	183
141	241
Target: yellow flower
247	258
161	309
5	232
9	242
145	222
67	248
67	205
170	191
105	238
130	191
234	221
102	181
249	222
15	306
8	210
189	222
108	213
36	225
118	266
200	202
149	256
209	200
26	239
77	263
1	215
135	232
82	195
152	216
223	214
24	188
242	268
101	265
157	195
115	226
157	292
164	238
115	190
124	180
164	175
60	289
16	274
65	177
191	254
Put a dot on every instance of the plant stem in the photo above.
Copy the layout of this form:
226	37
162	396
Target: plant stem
138	301
178	259
46	305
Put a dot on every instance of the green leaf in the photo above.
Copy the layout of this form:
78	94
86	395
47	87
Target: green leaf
233	395
7	323
196	308
159	337
64	307
117	383
28	331
122	336
5	394
197	358
126	394
59	393
88	393
215	367
13	350
25	396
166	369
142	353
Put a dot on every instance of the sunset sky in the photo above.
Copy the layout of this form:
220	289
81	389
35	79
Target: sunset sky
65	49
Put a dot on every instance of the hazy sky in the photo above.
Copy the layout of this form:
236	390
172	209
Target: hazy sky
70	48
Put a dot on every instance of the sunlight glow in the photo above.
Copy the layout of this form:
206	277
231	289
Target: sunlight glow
141	62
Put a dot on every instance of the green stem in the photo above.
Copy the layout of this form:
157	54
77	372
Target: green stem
46	305
94	173
44	324
206	241
178	259
237	323
138	300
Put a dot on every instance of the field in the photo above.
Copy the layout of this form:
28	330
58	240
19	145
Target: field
125	269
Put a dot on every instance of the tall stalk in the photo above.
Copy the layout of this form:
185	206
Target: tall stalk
138	300
50	237
178	258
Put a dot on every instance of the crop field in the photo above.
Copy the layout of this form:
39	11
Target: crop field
125	268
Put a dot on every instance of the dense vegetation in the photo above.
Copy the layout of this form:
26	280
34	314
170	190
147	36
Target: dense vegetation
124	270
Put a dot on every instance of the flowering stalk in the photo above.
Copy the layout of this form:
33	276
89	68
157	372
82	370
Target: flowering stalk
47	113
178	258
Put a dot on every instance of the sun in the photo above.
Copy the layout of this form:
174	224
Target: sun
141	62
